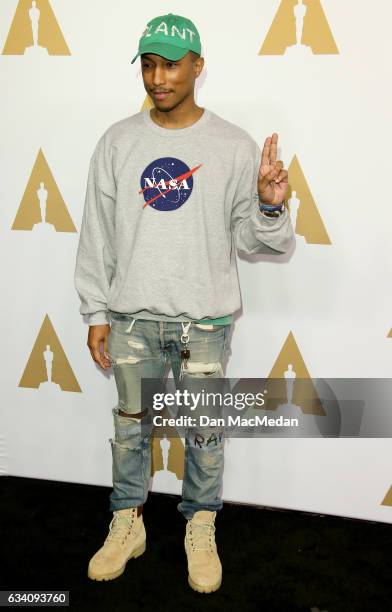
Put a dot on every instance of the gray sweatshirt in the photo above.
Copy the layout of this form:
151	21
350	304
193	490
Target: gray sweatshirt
164	213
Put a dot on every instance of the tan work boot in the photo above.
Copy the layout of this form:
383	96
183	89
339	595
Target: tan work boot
126	539
204	566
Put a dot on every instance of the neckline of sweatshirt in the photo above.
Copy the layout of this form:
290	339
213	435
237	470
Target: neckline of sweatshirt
177	132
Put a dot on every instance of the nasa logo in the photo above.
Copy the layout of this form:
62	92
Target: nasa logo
167	183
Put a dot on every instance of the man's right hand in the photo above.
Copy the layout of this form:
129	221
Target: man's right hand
96	335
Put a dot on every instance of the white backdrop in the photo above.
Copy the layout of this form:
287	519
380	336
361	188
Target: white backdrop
329	100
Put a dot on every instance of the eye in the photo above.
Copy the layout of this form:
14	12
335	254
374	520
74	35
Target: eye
171	64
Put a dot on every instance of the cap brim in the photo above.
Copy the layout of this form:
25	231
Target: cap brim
169	52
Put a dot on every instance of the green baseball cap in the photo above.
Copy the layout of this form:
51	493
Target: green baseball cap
171	36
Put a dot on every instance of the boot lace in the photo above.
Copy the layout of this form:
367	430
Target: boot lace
201	535
120	527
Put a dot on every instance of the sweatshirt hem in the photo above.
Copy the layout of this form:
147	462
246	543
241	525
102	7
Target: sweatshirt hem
147	315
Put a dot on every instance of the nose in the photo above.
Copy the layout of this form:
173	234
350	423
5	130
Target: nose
158	78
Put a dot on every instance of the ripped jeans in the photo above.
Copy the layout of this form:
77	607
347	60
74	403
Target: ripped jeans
139	348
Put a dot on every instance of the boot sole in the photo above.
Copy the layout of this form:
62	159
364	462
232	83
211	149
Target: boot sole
204	589
136	553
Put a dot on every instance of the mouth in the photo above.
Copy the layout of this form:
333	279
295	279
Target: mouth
161	95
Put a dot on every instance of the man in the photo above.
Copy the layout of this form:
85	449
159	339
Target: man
172	194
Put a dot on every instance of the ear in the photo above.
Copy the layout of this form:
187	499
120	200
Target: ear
199	64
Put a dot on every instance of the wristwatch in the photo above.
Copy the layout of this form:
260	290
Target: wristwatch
272	210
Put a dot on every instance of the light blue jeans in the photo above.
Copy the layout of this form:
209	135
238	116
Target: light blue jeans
139	348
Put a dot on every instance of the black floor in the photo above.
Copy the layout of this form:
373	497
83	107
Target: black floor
272	560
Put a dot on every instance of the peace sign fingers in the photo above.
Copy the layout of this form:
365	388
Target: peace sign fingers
273	148
270	149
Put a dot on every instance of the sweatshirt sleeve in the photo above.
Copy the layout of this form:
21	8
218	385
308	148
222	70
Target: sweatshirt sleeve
95	258
253	231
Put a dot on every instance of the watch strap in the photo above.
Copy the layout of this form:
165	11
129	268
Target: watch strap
272	210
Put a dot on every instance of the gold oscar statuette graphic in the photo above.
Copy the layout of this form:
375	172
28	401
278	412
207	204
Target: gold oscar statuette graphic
35	31
387	501
289	383
168	454
299	28
42	208
305	217
48	367
148	103
390	333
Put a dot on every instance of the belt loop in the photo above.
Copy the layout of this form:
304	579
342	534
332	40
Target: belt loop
161	333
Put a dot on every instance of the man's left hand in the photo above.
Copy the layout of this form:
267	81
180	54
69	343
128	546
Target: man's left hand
272	181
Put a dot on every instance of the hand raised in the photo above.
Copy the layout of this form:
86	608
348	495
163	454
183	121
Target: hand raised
272	184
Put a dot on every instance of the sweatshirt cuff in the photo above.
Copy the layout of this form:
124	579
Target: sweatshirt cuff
98	318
